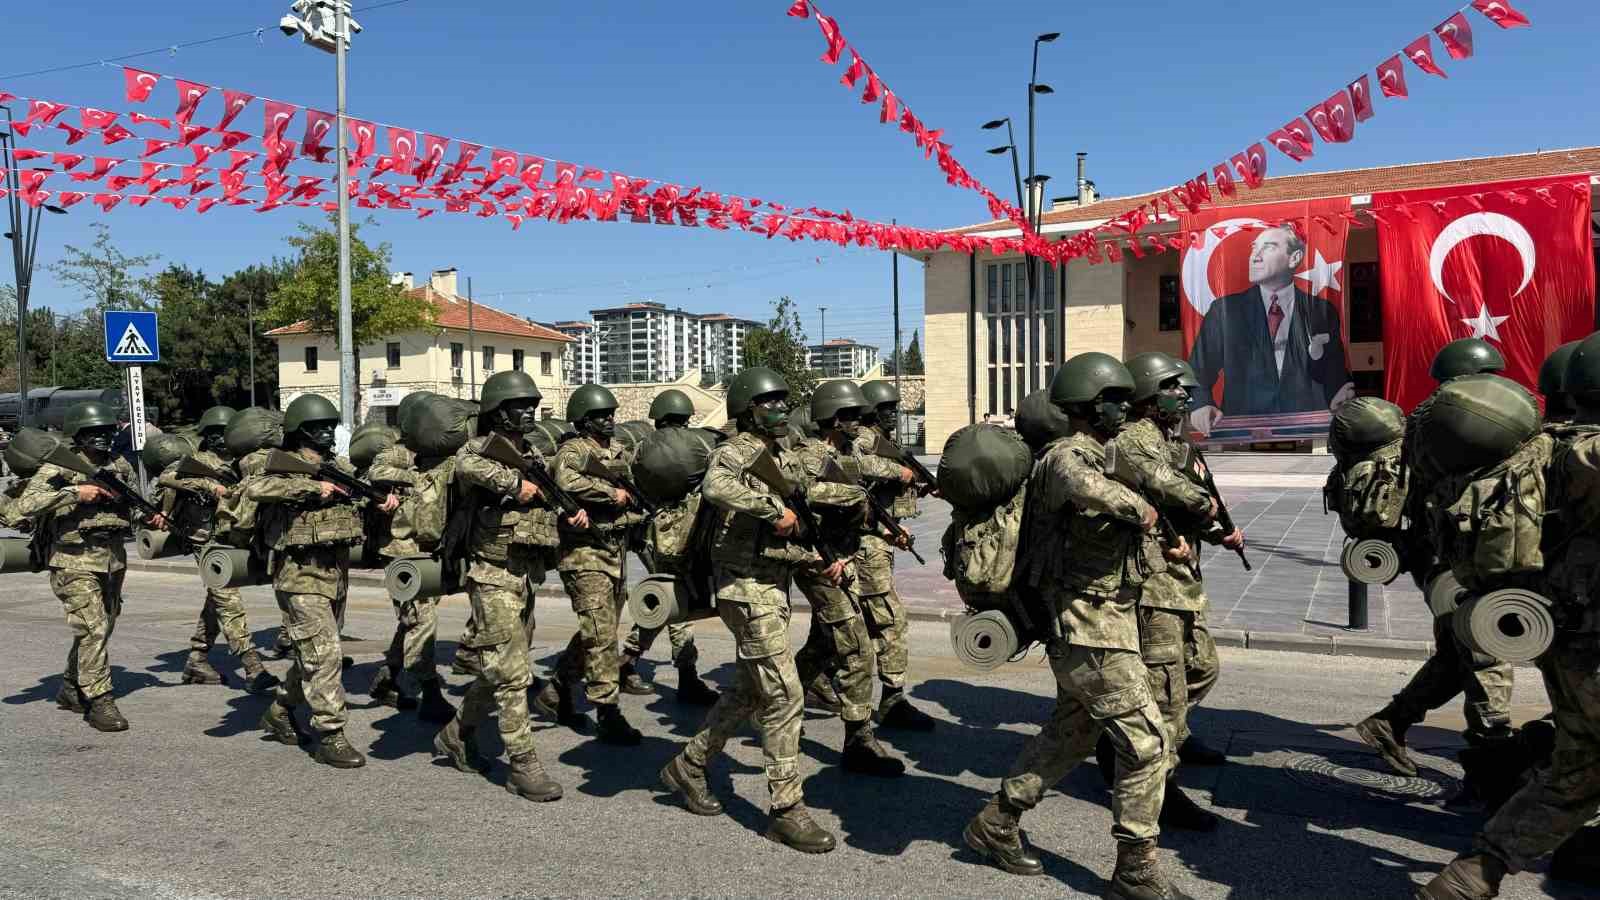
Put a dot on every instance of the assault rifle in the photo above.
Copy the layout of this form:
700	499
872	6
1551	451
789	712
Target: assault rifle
765	469
500	449
600	470
1119	468
879	516
189	467
104	478
1195	468
282	462
882	446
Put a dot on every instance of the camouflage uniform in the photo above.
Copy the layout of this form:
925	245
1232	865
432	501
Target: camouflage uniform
753	567
417	621
593	569
310	539
881	606
87	561
1091	575
191	507
506	553
838	650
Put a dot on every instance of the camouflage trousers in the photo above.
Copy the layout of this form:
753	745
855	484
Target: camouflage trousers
838	650
1454	669
766	689
222	613
1099	688
315	675
1181	660
592	654
502	618
684	653
416	631
92	602
883	611
1564	797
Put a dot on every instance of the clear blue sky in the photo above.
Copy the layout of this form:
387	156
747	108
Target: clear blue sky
731	95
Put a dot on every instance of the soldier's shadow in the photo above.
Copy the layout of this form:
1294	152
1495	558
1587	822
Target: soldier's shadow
684	719
242	716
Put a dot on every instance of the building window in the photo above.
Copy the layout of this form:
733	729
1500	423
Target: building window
456	351
1168	302
311	359
1365	306
392	350
516	360
488	358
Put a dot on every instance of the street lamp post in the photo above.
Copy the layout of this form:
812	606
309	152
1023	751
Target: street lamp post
1016	176
1035	185
24	237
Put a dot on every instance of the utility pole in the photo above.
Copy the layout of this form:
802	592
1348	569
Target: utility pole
250	313
1035	214
472	349
824	311
894	270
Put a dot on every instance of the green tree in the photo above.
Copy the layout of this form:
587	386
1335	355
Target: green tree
105	276
205	344
68	350
309	291
913	358
781	346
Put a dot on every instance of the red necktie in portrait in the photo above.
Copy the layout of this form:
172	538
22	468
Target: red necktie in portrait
1274	318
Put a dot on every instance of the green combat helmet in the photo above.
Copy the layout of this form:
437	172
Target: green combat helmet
1187	379
671	402
749	386
1553	381
1149	370
1096	381
503	386
879	394
88	414
216	417
588	399
308	408
1467	356
1582	380
832	396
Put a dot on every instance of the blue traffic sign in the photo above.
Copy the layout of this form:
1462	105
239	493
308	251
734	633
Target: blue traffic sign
131	337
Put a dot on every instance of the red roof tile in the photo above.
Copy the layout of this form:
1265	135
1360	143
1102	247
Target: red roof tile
451	312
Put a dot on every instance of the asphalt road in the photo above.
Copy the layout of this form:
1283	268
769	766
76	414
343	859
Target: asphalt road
192	803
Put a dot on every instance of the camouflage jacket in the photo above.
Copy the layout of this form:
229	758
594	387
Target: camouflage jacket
508	541
310	538
9	517
1180	500
1091	553
603	545
882	476
1572	538
395	467
841	509
83	537
753	562
190	503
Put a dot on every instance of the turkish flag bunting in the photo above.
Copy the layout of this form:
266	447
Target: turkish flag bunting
830	33
43	111
1341	125
532	171
188	133
232	139
137	84
1456	35
502	163
874	88
189	97
857	69
1292	140
233	103
102	165
403	147
74	133
275	119
365	135
139	118
891	109
1420	51
153	146
318	125
1251	165
1224	180
201	153
1392	77
1502	13
67	160
432	156
1519	276
68	198
96	119
1361	98
799	10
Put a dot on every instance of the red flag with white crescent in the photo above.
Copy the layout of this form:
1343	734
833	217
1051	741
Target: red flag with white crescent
1455	33
319	125
1361	98
233	103
1502	13
137	84
1392	77
189	96
365	135
1420	52
1517	274
275	119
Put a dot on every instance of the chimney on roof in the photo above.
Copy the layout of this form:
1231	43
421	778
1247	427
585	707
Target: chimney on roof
403	280
443	281
1085	186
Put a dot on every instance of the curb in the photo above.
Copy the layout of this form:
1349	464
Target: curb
1286	642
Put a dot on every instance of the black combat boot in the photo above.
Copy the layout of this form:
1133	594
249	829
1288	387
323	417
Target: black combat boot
1138	876
69	699
630	681
693	691
385	689
1475	876
460	746
688	780
334	750
103	714
895	711
1178	810
198	670
614	728
792	827
434	707
996	834
555	701
279	724
1386	733
820	694
1195	752
257	680
528	778
865	756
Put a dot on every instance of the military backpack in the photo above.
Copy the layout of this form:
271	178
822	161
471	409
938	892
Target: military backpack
1489	522
980	551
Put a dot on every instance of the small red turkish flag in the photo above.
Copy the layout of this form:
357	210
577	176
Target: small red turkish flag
432	156
67	161
1501	13
139	118
1322	122
43	111
874	89
231	139
366	137
1224	180
68	198
96	119
532	171
238	158
403	147
153	146
233	103
1361	98
102	165
891	109
830	33
188	133
189	96
799	10
318	125
1292	140
502	163
1392	77
1456	35
857	69
106	201
1420	52
201	152
275	120
74	133
1332	118
137	84
465	154
1251	165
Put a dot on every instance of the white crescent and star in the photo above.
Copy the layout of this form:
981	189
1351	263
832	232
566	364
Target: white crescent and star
1492	225
1197	263
1322	275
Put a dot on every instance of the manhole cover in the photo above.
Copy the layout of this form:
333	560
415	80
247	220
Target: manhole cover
1362	774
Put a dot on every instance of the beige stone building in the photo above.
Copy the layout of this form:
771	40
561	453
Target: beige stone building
471	342
977	333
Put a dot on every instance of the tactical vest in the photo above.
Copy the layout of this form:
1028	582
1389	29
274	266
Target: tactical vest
1094	555
336	525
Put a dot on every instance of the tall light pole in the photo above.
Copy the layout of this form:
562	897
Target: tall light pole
327	25
1016	176
824	341
1035	186
24	237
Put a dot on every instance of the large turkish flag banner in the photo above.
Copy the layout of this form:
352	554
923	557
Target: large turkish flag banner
1511	262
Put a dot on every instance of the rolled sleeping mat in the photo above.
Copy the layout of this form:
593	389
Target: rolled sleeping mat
158	544
1370	561
226	567
14	555
657	601
1511	624
985	640
1445	594
409	579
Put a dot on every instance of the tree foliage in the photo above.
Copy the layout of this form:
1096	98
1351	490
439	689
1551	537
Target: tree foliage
781	345
309	291
106	277
913	356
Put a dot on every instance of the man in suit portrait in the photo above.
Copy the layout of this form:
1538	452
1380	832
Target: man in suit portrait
1277	348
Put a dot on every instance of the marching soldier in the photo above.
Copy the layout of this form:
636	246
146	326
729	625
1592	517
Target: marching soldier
670	409
505	551
593	565
86	527
1093	550
884	612
193	508
754	554
309	525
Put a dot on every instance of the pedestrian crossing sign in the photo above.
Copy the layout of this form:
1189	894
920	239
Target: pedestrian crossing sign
131	337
